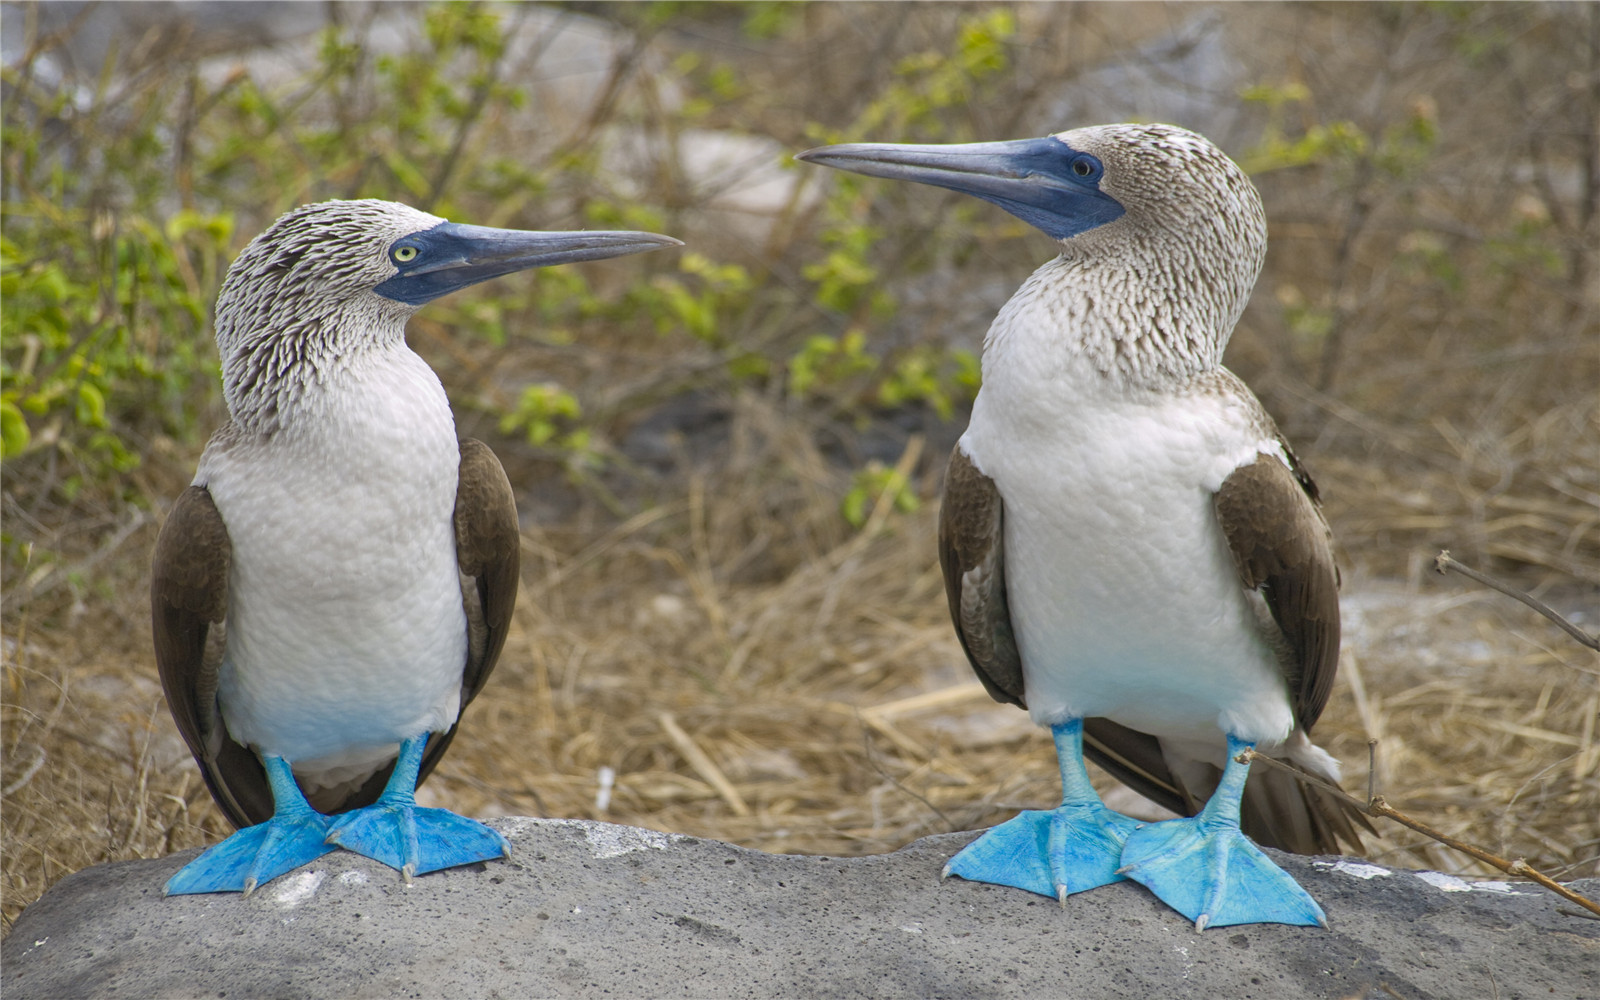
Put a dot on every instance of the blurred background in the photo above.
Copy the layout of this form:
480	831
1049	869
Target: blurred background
728	458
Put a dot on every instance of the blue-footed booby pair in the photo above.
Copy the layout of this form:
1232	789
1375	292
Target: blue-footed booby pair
336	585
1130	549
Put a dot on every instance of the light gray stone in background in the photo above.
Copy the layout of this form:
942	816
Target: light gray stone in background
593	909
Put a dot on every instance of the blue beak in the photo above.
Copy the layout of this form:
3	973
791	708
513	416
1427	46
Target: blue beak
451	256
1043	182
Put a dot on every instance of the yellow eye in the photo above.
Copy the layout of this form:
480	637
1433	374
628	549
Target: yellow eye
403	254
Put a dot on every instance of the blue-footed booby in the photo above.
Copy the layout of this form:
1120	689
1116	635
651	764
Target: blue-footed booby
1131	552
336	585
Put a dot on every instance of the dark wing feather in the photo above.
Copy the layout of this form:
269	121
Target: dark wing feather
1134	758
488	554
1284	550
189	609
972	555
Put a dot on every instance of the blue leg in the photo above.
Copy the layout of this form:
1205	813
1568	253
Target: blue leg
291	838
1054	852
403	835
1207	870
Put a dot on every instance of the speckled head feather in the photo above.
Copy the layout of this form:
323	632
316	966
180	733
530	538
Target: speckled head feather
300	295
1161	235
1191	242
329	285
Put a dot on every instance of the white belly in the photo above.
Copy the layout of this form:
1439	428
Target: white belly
1124	597
345	632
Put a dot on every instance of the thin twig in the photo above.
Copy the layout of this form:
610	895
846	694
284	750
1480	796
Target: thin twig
703	764
1378	807
872	761
1443	562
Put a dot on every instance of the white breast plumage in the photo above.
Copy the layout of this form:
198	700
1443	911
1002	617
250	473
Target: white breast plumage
344	585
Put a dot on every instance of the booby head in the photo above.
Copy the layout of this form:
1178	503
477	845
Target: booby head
1155	200
327	279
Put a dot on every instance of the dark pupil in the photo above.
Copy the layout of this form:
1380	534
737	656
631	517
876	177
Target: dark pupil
1082	168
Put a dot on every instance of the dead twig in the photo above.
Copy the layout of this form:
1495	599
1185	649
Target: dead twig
703	764
1443	563
1376	806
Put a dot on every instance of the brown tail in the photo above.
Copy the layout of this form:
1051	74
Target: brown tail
1278	809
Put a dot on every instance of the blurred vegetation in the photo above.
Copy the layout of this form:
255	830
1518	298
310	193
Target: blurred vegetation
1425	330
125	196
1403	230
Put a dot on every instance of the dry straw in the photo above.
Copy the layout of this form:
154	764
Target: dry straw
750	669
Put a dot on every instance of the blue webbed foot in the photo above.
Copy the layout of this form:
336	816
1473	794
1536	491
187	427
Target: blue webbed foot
1205	868
294	836
412	838
1054	852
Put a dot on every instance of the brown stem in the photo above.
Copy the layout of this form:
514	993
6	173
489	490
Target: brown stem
1443	562
1378	807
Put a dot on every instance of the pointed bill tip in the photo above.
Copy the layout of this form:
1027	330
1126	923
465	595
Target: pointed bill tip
543	249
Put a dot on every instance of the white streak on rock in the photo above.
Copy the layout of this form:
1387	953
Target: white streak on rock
607	840
297	888
1449	883
1354	869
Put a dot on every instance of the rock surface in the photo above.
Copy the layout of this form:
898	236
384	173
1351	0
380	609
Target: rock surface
591	909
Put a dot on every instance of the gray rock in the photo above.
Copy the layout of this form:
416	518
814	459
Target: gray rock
591	909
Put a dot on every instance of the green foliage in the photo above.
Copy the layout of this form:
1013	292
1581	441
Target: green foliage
119	225
828	360
105	308
936	376
770	19
872	482
548	416
703	302
931	83
1402	150
1319	143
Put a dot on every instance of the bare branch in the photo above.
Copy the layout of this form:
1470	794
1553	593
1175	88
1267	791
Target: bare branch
1443	562
1378	807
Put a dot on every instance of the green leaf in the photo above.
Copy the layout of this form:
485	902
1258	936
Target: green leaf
14	433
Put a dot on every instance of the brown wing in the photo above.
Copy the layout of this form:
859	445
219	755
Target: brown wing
972	555
1284	551
189	609
1283	548
488	554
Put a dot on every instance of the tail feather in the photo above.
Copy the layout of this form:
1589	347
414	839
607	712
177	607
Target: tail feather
1278	809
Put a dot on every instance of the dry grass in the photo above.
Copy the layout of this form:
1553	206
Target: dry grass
753	671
